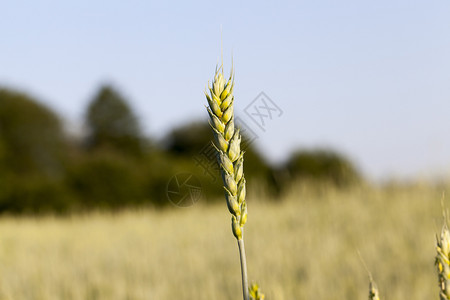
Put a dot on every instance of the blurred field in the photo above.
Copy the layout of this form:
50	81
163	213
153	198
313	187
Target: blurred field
302	248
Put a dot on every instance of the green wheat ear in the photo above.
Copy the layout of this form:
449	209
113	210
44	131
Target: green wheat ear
227	142
373	290
255	293
228	145
443	262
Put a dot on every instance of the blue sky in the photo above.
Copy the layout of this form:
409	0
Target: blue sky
368	78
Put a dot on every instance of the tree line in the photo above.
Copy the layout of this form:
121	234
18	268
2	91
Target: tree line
113	165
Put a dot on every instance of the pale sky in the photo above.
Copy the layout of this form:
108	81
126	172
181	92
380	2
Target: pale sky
368	78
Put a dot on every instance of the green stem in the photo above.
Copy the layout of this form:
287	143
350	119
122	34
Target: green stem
243	269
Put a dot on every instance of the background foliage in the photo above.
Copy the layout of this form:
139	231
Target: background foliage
113	165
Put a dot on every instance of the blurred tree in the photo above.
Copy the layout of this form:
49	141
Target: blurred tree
106	179
112	124
188	139
32	156
322	165
31	135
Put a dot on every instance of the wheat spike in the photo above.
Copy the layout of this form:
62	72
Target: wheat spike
228	145
227	141
443	262
373	290
255	293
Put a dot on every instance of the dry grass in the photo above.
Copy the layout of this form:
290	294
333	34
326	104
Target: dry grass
304	248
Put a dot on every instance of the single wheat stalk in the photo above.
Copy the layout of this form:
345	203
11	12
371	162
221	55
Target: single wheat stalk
227	141
373	290
443	263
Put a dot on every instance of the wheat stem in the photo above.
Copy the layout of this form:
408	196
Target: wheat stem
243	269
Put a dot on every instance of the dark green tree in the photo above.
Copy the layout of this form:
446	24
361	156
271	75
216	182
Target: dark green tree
112	124
107	180
322	165
32	156
31	135
188	139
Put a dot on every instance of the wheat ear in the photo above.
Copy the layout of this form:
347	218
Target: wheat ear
373	290
255	293
230	158
443	262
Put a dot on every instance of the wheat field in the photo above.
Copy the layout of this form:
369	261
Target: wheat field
302	247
